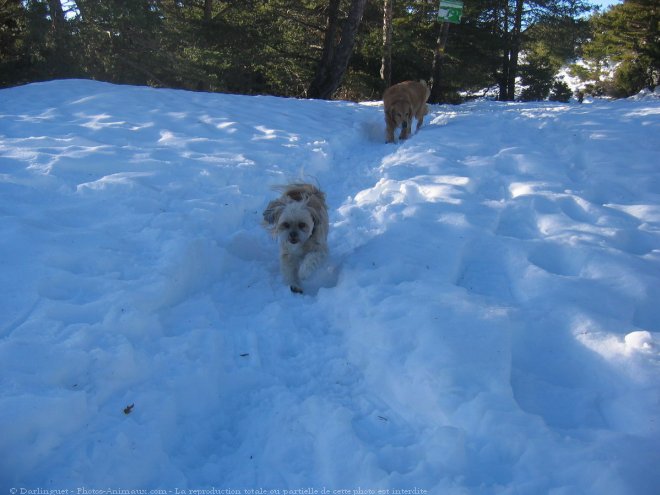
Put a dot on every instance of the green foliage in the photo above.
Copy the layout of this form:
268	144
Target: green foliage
628	34
122	41
581	72
538	76
473	52
560	92
559	37
13	25
631	76
274	46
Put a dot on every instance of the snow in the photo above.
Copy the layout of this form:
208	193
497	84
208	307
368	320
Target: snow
605	70
488	320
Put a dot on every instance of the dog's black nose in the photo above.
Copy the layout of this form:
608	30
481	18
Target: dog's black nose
293	237
404	124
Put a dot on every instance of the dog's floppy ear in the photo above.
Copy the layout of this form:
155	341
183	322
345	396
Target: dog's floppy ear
273	211
314	204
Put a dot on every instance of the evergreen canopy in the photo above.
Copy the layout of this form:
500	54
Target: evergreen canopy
321	48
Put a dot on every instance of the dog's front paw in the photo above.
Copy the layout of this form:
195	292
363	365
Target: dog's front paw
296	290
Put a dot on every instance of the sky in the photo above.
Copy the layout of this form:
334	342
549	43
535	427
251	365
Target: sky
605	3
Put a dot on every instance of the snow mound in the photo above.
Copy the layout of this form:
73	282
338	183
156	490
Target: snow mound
487	322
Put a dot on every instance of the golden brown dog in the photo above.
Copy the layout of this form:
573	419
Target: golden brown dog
402	102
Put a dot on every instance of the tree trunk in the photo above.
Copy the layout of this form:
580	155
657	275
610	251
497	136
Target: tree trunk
56	16
61	58
57	23
515	50
208	10
438	59
334	60
386	62
328	46
504	78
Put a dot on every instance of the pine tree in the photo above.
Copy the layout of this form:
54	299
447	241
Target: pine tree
628	34
511	16
13	25
336	55
386	65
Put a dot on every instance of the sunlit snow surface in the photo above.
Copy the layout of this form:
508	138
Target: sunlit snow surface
488	321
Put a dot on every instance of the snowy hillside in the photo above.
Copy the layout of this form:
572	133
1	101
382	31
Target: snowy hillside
488	321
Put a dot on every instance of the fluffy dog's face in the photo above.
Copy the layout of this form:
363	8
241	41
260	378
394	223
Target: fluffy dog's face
401	113
295	224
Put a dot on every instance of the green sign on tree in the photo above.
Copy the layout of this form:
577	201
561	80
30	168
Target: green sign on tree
450	11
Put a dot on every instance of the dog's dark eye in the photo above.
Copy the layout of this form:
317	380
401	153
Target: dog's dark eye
302	226
285	225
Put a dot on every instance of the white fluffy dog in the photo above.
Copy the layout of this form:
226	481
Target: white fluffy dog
299	219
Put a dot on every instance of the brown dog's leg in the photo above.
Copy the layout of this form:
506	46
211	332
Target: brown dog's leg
420	121
420	116
405	129
389	138
390	125
289	268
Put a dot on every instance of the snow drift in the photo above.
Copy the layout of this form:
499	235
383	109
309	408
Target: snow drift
488	321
